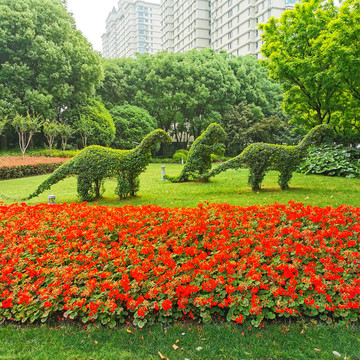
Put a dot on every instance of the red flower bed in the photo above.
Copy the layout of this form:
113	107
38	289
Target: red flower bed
6	161
12	167
147	263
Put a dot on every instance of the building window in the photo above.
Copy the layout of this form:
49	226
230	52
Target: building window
249	35
229	45
229	24
248	23
229	13
269	13
249	47
230	35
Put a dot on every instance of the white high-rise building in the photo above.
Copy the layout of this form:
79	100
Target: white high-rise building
229	25
185	24
234	25
134	27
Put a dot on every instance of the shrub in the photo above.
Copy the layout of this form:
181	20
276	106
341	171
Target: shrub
332	161
35	166
105	265
180	154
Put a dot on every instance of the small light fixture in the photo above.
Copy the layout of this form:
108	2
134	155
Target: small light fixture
162	172
51	199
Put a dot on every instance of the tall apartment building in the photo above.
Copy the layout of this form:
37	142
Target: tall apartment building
133	27
185	24
229	25
234	25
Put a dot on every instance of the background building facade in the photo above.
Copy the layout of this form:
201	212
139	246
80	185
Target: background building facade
134	27
182	25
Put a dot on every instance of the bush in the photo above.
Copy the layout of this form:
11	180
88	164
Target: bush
19	171
54	153
180	154
332	161
106	266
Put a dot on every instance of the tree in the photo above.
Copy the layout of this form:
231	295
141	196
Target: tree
293	50
243	128
132	124
51	131
65	131
98	118
84	128
184	92
341	46
46	65
256	89
26	127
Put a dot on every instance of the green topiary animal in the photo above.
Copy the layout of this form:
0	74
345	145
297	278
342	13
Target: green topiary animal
96	163
260	157
199	157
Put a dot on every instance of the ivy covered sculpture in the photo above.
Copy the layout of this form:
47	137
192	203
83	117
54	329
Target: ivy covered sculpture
260	157
95	163
198	162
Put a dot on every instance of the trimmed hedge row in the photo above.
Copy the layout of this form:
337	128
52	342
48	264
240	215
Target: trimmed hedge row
19	171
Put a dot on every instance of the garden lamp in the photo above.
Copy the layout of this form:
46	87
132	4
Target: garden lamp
51	199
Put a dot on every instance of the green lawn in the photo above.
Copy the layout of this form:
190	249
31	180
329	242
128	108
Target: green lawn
217	341
229	187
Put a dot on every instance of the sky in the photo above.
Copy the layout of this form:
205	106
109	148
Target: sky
90	17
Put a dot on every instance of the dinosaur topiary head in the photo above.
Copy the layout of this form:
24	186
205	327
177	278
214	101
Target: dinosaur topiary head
214	133
153	138
316	134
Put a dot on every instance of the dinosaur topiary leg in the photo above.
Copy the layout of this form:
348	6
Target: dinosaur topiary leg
284	178
256	177
85	187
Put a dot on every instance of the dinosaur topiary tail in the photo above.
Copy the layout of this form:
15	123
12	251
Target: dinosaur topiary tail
233	163
60	173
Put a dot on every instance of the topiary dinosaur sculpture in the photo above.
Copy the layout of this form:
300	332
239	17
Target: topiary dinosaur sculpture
96	163
260	157
199	157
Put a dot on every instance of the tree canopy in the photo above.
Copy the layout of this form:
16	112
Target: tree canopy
313	50
132	125
46	65
185	92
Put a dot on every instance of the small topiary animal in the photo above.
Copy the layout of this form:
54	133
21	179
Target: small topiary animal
96	163
260	157
199	157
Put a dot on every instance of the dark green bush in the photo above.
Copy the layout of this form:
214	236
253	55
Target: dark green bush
54	153
332	160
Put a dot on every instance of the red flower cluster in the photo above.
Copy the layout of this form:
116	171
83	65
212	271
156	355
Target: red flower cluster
107	265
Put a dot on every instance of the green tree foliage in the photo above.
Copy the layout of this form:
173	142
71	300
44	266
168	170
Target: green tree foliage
314	51
256	89
95	124
184	92
132	124
261	157
96	163
242	128
46	65
26	127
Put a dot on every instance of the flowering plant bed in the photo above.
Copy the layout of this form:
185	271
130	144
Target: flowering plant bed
15	167
147	263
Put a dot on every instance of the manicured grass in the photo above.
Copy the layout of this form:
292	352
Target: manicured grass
229	187
218	341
